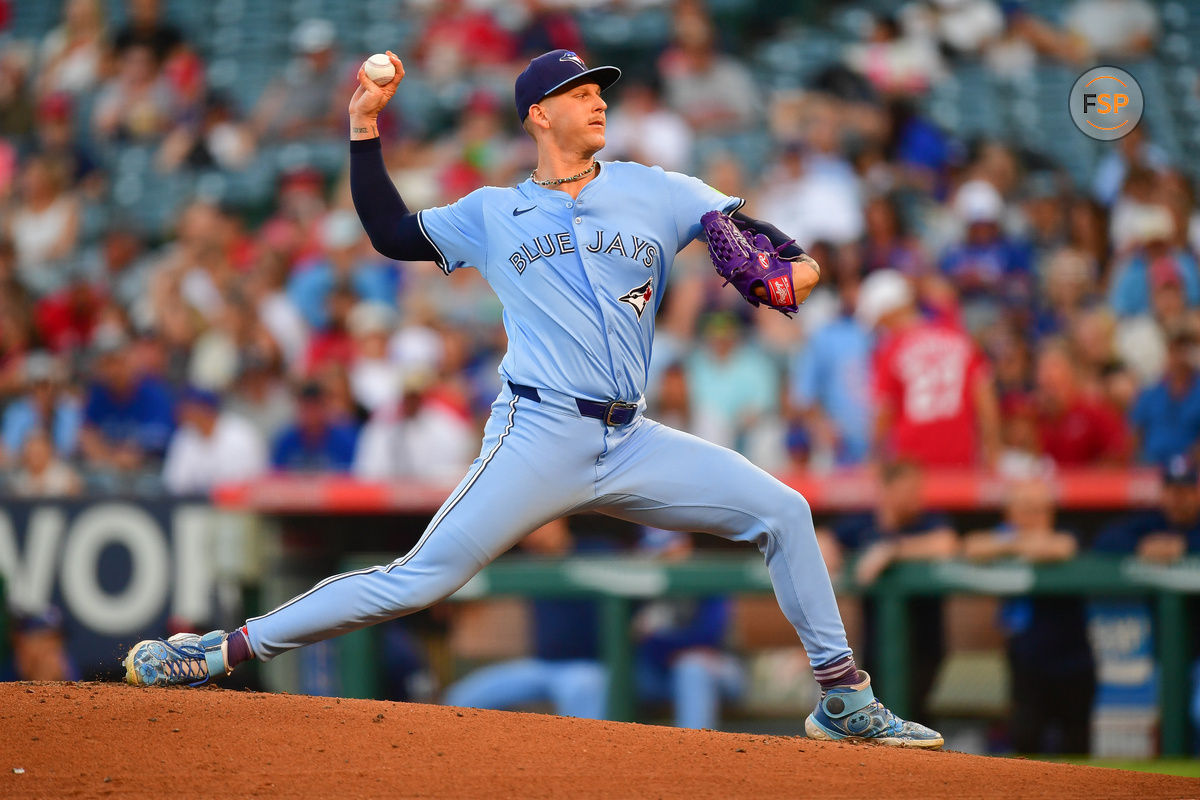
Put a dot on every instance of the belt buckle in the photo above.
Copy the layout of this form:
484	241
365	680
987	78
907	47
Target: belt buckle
614	406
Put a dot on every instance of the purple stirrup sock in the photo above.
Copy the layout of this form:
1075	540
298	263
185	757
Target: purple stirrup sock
842	672
237	648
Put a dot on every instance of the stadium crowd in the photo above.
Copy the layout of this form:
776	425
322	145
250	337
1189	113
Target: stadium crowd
982	306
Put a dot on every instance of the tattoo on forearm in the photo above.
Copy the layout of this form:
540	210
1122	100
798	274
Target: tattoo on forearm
367	131
361	130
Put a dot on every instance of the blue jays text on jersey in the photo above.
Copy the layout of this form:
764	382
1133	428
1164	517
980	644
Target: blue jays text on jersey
577	277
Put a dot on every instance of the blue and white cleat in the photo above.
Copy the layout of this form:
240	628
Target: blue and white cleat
851	713
185	659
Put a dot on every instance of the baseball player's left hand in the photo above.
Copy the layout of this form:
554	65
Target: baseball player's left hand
754	266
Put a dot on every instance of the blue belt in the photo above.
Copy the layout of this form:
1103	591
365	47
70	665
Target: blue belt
614	413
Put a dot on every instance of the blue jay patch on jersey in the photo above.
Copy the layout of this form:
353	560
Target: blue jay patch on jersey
639	298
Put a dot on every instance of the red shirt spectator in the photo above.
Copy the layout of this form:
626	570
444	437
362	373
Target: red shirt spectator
1074	428
933	387
926	374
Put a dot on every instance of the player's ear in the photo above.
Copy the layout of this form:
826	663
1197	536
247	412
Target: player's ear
538	118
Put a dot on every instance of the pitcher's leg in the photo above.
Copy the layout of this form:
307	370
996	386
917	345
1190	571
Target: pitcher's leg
670	479
517	484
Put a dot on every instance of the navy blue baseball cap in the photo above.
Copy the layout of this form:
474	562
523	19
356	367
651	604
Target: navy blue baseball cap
551	71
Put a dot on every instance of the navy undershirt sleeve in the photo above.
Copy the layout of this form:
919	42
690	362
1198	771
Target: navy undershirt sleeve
785	244
392	228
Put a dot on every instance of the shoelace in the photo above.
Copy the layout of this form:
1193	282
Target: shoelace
190	664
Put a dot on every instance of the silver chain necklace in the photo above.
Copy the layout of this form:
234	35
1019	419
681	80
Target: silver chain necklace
557	181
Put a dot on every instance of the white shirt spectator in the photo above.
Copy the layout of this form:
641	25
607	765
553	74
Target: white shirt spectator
196	463
654	136
1113	27
822	203
436	444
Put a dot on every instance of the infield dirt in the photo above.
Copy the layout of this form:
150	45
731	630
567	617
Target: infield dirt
110	740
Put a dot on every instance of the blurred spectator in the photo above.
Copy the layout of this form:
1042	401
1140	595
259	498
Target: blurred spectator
1165	534
1166	415
43	405
546	26
66	319
146	28
936	404
45	225
210	446
458	37
680	653
276	312
41	473
990	269
119	264
640	128
261	396
1153	261
219	139
1068	284
831	385
963	27
17	105
1050	658
374	377
1133	152
900	528
137	104
672	405
734	388
343	261
563	668
40	648
419	437
893	61
715	93
814	195
71	56
332	344
887	242
316	442
1121	29
128	417
308	98
1076	428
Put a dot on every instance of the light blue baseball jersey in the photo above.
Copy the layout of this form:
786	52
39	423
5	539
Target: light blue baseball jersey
580	280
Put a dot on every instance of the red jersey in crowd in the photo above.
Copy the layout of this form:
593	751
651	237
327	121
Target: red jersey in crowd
1088	431
925	374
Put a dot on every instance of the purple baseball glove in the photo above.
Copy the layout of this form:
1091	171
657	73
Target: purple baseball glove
749	261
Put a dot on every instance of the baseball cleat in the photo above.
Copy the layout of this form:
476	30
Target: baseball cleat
185	659
851	713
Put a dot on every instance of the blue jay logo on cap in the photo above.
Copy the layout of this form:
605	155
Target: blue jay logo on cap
570	56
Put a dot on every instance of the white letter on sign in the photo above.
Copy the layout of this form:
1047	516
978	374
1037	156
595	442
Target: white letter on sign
143	598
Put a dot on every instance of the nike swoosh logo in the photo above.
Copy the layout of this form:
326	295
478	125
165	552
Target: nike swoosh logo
519	211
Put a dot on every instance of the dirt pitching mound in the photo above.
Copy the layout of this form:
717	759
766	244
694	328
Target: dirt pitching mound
99	740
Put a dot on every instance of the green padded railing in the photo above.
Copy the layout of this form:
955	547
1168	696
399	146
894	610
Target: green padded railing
618	582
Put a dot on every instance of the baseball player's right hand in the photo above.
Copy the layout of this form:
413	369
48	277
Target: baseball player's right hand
369	97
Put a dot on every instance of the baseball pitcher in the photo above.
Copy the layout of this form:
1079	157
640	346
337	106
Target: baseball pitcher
579	255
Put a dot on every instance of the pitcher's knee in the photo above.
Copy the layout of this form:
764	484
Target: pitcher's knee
406	592
792	515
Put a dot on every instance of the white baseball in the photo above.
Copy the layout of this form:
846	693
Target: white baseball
380	69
